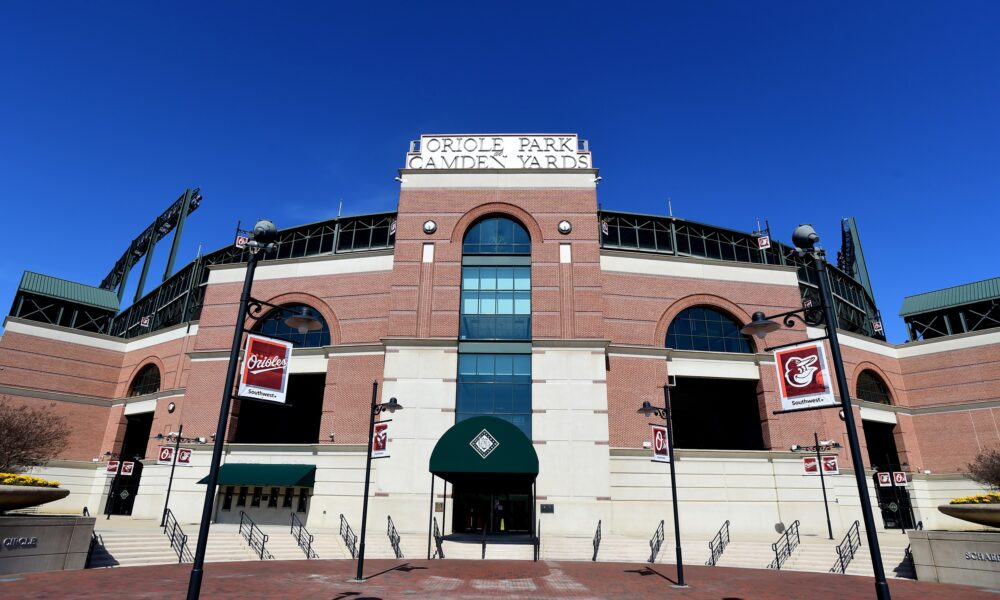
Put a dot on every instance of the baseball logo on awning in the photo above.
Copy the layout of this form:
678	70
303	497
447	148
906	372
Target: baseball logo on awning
265	369
380	440
660	451
804	377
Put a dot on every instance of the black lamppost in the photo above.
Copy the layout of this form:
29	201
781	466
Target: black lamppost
805	238
818	448
262	239
177	438
648	410
392	406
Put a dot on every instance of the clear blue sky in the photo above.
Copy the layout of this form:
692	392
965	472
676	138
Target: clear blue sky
791	111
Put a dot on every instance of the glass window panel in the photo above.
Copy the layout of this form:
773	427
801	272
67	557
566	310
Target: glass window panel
522	303
521	400
706	329
484	399
505	303
466	364
504	364
522	365
470	278
487	278
470	303
502	399
505	278
487	303
486	364
522	278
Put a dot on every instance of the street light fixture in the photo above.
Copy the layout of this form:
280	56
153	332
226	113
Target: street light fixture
805	239
664	412
391	406
263	239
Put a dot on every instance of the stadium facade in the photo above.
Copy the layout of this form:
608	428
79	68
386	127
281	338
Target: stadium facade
498	292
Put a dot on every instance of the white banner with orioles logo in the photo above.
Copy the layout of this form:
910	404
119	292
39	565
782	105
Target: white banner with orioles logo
804	380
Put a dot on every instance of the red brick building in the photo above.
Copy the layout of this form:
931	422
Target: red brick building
498	289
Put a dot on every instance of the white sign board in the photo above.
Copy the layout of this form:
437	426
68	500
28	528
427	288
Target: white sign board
830	465
804	380
660	450
499	151
264	375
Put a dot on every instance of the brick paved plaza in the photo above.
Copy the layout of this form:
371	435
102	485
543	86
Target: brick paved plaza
330	580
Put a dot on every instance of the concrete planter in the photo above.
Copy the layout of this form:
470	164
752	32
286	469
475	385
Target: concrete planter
980	514
13	497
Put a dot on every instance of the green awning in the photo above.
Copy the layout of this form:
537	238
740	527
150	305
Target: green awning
259	474
484	449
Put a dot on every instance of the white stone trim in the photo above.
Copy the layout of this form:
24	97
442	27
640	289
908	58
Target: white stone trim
429	179
143	406
680	267
335	265
720	369
948	344
316	363
62	334
878	415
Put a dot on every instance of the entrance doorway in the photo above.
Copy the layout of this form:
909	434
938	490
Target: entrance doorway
494	512
123	488
893	500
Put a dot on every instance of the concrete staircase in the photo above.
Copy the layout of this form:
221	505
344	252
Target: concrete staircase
133	546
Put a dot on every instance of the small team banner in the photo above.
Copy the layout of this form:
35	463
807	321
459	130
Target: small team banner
899	478
128	467
165	456
830	465
804	377
764	242
265	369
660	451
112	467
380	440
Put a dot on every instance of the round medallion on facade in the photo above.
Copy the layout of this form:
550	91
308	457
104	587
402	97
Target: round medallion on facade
565	227
171	407
430	227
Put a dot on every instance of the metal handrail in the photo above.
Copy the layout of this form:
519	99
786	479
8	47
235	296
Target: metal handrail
438	552
718	544
655	542
178	540
785	545
847	548
302	537
597	540
538	539
394	538
347	534
256	539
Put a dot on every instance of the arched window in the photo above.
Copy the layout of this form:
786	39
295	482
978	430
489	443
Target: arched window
872	388
496	307
496	235
146	381
273	325
707	329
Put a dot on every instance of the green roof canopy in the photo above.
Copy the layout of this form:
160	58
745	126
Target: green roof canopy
62	289
958	295
486	449
259	474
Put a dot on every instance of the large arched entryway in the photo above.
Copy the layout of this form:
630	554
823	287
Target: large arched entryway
492	467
